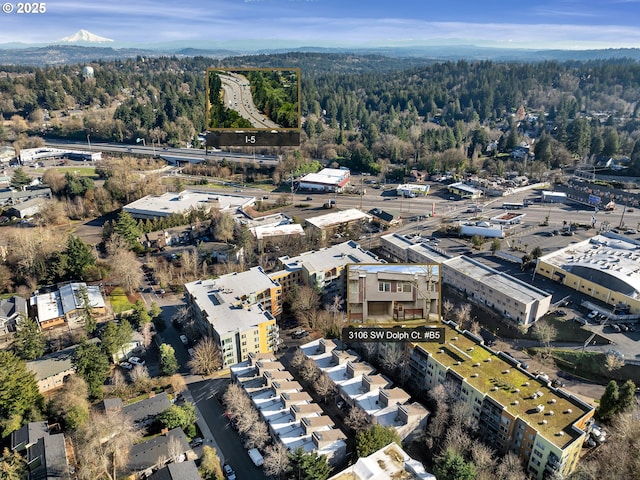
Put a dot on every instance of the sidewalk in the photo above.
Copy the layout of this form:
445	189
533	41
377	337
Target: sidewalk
207	435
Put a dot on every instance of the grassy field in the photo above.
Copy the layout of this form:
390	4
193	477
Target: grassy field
591	365
78	171
119	301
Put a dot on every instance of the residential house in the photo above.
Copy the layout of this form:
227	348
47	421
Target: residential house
146	456
10	311
65	306
45	452
177	471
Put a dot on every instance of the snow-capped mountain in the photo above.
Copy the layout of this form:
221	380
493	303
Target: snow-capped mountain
84	36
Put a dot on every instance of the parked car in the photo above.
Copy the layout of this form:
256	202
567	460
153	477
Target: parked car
191	352
196	442
136	361
228	472
184	339
593	314
126	365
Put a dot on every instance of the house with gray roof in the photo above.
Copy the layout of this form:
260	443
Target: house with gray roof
44	452
10	311
178	471
145	456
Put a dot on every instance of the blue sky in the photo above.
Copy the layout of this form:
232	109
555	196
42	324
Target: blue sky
245	24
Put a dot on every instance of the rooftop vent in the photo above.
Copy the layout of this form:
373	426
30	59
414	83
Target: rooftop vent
494	389
474	375
507	371
560	433
515	402
540	408
553	400
455	338
526	384
543	422
568	410
517	390
477	364
550	412
488	360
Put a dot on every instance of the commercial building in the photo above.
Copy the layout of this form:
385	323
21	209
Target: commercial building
326	180
67	304
606	267
464	190
30	155
273	234
360	387
516	411
324	269
291	415
412	190
27	208
325	226
514	299
172	203
238	311
388	462
392	293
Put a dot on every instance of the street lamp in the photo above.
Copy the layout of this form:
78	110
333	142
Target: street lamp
138	140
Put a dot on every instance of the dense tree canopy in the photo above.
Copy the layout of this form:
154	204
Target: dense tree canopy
20	400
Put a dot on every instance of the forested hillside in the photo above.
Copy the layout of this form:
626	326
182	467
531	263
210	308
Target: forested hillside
368	111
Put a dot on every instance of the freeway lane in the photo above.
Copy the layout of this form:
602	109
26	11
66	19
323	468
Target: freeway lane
237	96
167	153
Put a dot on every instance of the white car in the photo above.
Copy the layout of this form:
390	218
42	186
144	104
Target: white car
136	361
184	339
229	473
593	314
191	352
126	365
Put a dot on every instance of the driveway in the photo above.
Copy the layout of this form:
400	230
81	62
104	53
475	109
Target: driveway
204	394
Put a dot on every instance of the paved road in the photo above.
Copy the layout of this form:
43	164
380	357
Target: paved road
237	96
204	393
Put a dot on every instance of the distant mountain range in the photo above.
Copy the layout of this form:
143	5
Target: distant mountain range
84	46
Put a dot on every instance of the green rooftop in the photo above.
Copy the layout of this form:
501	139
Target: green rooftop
510	386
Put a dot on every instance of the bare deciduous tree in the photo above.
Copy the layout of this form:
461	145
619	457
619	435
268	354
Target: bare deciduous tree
324	386
276	460
140	376
304	303
510	468
246	420
482	457
545	333
257	436
298	359
463	315
309	371
613	362
103	444
174	449
206	357
447	308
357	419
121	259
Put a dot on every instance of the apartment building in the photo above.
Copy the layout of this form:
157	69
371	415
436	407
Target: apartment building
324	269
292	417
514	299
401	293
325	226
516	411
238	310
360	387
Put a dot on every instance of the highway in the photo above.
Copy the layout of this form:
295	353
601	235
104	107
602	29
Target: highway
237	96
171	155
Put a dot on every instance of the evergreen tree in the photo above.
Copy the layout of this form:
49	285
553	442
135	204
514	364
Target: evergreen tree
374	438
20	399
114	336
13	466
28	342
452	466
308	466
20	179
608	401
178	416
79	256
91	364
168	362
88	319
127	228
626	396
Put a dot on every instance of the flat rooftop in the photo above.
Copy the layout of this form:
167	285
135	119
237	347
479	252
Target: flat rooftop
609	260
510	386
508	285
180	202
328	176
268	231
225	299
338	218
330	257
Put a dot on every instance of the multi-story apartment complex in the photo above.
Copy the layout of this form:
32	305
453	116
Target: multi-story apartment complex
378	293
516	411
292	417
360	387
514	299
324	269
238	310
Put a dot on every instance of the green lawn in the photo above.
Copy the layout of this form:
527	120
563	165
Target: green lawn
119	301
591	365
79	171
